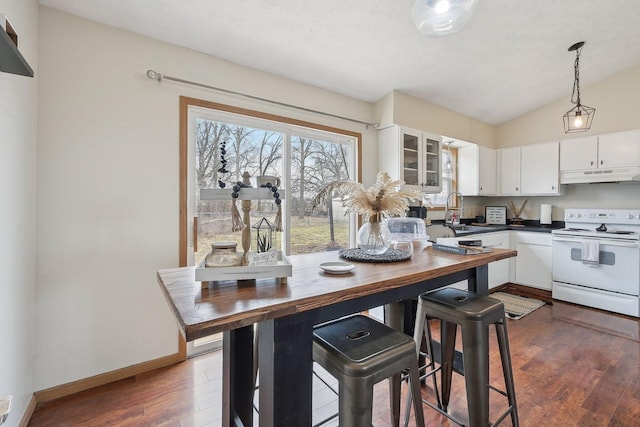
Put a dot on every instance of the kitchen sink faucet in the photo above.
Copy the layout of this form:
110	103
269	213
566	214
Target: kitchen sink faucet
460	208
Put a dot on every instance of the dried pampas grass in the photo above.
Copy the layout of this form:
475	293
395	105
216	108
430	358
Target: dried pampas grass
386	197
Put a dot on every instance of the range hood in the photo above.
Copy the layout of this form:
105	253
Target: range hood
600	175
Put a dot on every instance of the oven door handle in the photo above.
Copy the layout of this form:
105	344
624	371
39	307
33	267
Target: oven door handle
621	243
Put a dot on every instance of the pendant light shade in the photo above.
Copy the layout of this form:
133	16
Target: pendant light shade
580	117
436	18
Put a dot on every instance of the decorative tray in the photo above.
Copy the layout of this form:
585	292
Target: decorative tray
357	254
282	269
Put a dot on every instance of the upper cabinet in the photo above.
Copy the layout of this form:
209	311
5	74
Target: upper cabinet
530	170
477	171
540	169
579	153
509	171
412	156
608	157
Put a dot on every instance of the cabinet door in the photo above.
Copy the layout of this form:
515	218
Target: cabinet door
411	142
498	270
539	173
579	153
412	156
619	149
487	171
533	263
510	168
431	163
468	170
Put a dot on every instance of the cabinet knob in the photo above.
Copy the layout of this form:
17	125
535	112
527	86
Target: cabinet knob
602	162
516	188
553	187
591	163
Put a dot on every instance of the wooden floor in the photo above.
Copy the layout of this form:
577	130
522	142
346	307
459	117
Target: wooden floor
573	367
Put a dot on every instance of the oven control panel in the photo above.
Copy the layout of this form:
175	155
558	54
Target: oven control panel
603	216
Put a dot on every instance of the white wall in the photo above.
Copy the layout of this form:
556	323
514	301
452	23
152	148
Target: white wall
107	205
18	137
108	186
406	110
616	110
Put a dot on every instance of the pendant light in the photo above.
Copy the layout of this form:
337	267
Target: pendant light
448	165
436	18
579	118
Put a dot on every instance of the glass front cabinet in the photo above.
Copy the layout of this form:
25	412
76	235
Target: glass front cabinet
412	156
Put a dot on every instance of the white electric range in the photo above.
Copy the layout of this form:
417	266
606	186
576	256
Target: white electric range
596	259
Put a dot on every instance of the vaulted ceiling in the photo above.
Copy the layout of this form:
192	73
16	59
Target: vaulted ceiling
510	59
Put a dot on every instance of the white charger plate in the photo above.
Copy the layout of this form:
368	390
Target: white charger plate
337	267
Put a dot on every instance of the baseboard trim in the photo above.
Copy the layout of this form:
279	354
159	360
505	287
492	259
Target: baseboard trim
26	417
64	390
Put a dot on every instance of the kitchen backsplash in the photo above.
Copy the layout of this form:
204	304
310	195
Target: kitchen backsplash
625	195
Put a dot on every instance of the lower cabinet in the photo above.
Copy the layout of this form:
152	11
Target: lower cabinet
498	270
533	263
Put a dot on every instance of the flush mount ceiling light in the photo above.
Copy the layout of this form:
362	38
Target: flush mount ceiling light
436	18
579	118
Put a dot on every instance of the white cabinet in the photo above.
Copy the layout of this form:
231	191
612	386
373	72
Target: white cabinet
498	270
509	171
581	159
477	171
412	156
579	153
530	170
533	263
619	150
540	172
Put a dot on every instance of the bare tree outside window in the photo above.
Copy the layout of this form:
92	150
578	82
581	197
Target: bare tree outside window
314	162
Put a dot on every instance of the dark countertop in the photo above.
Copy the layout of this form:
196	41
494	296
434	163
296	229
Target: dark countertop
528	225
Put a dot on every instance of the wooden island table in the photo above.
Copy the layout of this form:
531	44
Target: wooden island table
286	314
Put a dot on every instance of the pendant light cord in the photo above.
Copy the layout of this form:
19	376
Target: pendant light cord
575	96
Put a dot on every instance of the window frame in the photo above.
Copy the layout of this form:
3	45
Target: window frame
187	102
454	179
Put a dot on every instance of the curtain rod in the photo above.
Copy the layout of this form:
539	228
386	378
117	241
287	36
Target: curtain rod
154	75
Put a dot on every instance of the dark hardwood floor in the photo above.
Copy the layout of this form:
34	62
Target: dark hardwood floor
573	366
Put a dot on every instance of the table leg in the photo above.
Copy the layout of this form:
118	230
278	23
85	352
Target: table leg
285	347
479	282
237	371
394	318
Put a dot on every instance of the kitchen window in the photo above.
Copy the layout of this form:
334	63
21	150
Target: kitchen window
449	181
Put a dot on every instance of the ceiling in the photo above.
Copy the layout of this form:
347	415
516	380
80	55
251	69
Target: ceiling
510	59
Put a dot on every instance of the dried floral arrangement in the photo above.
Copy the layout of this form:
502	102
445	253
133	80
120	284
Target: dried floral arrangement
385	198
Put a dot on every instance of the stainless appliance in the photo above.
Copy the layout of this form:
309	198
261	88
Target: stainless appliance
596	259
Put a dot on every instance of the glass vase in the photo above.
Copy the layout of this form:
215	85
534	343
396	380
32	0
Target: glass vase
374	237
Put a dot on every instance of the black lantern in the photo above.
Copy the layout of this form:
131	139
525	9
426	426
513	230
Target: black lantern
264	240
579	118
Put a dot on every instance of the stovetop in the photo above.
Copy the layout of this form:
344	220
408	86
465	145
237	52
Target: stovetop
603	223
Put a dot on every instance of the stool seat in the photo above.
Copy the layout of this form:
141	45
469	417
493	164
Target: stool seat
474	314
460	305
359	352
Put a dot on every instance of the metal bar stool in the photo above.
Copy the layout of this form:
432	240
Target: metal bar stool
360	352
474	313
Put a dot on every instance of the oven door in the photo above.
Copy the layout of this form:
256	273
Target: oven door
617	271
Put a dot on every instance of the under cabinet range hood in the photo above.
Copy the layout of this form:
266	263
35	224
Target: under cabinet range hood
590	176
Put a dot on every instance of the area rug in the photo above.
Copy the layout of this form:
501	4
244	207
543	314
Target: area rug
516	307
